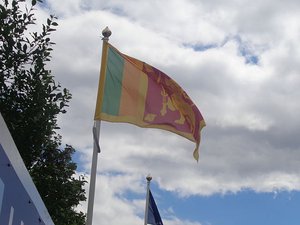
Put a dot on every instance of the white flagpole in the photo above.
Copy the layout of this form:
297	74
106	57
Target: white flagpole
148	178
96	149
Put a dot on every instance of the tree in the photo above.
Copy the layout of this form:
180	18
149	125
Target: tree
30	101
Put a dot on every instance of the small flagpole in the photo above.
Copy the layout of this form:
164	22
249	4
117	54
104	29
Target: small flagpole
148	178
96	148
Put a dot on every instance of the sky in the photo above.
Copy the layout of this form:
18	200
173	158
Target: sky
238	61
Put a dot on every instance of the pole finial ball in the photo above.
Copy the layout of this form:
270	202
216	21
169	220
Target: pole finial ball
106	32
149	178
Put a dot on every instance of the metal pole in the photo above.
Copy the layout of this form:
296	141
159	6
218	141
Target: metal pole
148	178
93	176
96	149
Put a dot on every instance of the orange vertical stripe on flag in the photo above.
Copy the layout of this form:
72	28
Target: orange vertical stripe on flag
130	95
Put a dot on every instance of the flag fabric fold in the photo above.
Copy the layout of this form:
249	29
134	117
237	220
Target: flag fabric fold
132	91
153	213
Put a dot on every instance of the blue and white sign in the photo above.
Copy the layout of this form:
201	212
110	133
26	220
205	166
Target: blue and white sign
20	202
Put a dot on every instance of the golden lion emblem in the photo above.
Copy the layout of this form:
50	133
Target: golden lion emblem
176	101
174	98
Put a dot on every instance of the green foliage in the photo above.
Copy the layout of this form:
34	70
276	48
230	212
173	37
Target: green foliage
61	190
30	101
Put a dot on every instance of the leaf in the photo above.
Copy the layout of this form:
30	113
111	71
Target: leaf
61	105
51	29
24	48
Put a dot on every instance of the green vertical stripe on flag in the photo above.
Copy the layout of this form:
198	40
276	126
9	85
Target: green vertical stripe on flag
113	83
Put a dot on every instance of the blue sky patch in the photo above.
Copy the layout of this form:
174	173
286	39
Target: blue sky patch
200	47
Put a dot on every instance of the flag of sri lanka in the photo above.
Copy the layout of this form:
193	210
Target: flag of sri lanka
132	91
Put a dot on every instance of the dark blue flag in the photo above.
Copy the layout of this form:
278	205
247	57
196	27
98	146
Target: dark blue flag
153	214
